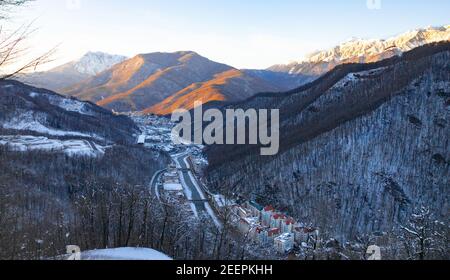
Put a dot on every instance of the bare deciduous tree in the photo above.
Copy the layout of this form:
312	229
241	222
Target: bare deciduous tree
425	236
13	47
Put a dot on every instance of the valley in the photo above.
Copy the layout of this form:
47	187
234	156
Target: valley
88	156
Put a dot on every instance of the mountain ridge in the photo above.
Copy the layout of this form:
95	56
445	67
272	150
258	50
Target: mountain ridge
73	72
148	82
356	134
364	51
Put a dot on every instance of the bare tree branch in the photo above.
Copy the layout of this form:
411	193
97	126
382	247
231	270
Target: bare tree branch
12	49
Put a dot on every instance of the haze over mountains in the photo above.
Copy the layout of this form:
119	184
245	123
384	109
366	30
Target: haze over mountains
160	83
362	147
69	74
364	51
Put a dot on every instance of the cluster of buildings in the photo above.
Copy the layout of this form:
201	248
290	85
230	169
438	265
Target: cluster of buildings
171	179
268	226
156	133
172	192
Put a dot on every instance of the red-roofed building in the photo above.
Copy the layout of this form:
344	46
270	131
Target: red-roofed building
288	225
273	232
277	220
303	234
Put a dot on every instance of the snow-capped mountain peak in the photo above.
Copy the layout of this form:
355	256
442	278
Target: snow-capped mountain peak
362	48
365	50
93	63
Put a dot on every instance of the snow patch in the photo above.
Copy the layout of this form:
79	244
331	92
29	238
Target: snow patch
27	121
94	63
70	105
34	94
25	143
361	50
125	254
355	77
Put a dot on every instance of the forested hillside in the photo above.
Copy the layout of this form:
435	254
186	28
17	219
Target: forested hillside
361	147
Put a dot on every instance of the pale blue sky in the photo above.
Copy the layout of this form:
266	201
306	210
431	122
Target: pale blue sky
242	33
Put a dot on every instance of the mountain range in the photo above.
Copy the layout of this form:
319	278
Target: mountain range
363	146
364	51
71	73
159	83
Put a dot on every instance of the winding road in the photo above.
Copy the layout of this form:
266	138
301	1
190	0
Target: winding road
154	183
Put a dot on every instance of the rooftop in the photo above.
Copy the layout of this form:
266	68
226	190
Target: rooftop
274	231
284	237
253	221
173	187
290	221
279	216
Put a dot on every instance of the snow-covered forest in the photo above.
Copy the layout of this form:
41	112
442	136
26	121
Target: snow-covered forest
360	154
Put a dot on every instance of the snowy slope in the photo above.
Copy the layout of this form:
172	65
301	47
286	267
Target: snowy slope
66	75
68	104
25	109
160	83
23	143
125	254
362	51
93	63
27	121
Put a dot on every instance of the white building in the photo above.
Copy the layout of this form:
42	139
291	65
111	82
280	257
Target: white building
287	226
284	243
171	180
266	215
173	187
141	139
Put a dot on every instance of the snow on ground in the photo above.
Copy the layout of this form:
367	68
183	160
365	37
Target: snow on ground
92	63
355	77
27	122
67	104
70	147
38	127
125	254
221	201
34	94
70	105
213	216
